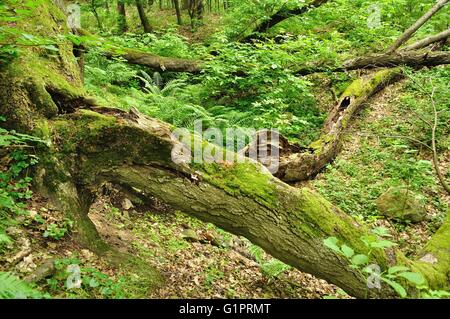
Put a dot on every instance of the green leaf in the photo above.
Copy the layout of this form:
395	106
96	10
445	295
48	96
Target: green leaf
28	36
50	47
4	239
12	287
395	269
347	251
382	244
360	259
331	242
381	231
93	283
396	286
413	277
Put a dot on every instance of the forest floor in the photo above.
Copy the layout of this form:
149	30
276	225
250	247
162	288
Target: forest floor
198	260
209	264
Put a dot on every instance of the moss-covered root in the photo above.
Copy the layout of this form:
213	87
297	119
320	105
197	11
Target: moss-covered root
302	166
75	205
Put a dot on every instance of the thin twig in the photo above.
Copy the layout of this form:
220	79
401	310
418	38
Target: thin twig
433	143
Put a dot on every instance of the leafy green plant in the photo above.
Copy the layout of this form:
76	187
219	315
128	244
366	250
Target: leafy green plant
394	276
272	268
14	182
12	287
155	86
93	283
213	274
56	232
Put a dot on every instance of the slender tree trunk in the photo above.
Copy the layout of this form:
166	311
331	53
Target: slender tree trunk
122	17
199	10
97	17
143	17
176	4
282	15
427	41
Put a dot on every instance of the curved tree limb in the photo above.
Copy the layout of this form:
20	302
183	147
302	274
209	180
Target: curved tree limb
411	30
433	145
427	41
408	58
305	165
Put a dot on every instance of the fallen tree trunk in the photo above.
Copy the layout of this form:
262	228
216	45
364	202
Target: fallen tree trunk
156	62
88	147
409	58
280	16
306	164
133	56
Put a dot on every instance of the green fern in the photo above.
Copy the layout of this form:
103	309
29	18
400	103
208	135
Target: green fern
12	287
155	86
271	268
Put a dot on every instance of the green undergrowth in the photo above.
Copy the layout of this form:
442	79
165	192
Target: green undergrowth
390	151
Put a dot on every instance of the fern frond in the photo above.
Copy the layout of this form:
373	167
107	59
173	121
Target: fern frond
12	287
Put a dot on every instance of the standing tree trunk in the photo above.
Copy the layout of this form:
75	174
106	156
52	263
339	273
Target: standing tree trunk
122	17
97	18
176	4
143	17
200	10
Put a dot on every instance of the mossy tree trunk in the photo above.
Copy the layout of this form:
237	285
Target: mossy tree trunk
87	146
299	166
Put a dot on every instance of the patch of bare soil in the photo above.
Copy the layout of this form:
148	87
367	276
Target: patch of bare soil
207	263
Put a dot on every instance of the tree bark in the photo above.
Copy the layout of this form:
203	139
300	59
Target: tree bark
411	30
411	58
307	163
157	62
122	17
427	41
407	58
176	4
143	17
95	13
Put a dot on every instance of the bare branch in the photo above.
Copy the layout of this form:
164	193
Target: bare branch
427	41
433	145
409	33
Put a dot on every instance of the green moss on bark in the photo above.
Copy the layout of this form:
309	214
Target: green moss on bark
242	179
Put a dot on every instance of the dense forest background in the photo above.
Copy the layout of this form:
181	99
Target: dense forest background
382	161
